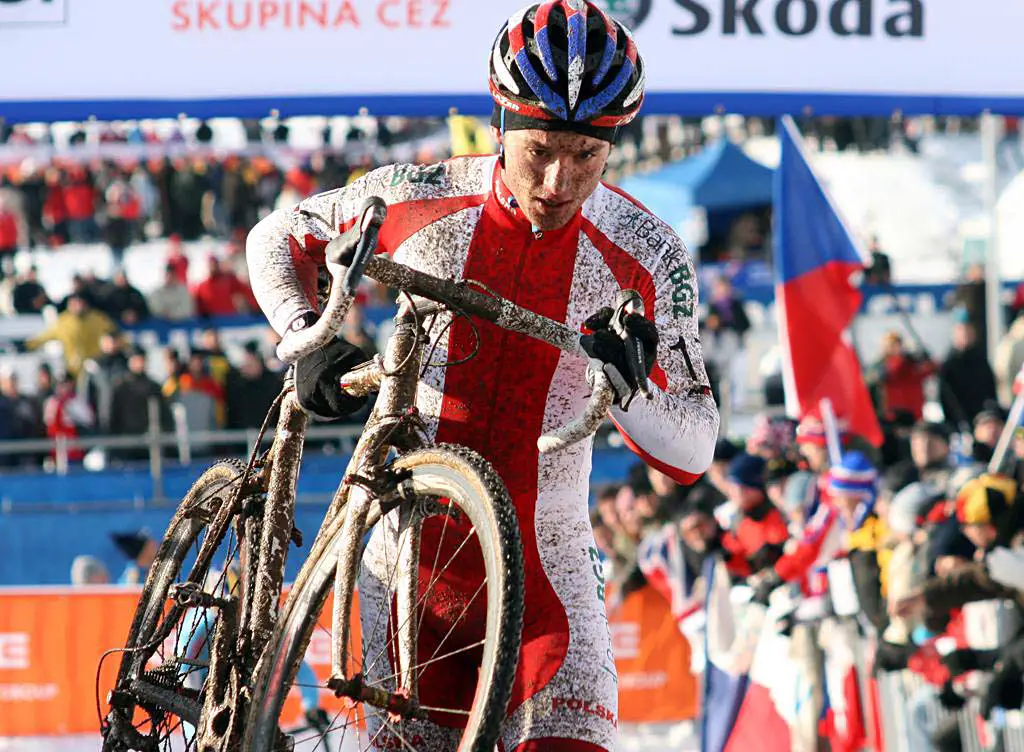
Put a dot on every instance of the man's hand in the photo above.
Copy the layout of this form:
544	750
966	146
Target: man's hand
317	375
607	347
908	606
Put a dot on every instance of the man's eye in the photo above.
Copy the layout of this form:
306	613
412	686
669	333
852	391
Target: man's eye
587	155
539	153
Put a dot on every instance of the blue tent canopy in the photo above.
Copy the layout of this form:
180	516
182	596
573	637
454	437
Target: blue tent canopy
720	178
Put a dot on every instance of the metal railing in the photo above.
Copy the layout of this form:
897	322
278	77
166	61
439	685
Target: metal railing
184	445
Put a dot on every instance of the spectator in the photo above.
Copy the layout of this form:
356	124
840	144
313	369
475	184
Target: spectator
66	414
140	549
79	329
201	397
11	235
969	300
221	293
755	538
899	377
354	331
130	415
988	427
123	212
80	199
29	297
176	258
88	570
172	301
27	411
880	271
212	351
55	209
968	377
125	303
251	390
1009	359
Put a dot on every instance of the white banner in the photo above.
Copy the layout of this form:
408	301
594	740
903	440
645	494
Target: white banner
126	58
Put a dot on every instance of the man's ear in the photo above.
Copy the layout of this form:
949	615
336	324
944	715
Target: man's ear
496	134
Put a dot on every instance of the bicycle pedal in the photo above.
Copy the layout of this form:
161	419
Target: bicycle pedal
296	537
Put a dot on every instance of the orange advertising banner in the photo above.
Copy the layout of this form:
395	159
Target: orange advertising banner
51	643
52	640
653	661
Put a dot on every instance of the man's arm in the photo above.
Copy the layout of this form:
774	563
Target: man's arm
966	584
676	430
286	248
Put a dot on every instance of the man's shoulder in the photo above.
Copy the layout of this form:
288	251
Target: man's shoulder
460	176
634	228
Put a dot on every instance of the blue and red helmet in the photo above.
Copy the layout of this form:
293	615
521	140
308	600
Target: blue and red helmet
566	61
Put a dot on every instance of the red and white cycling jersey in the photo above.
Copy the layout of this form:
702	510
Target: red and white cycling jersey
458	220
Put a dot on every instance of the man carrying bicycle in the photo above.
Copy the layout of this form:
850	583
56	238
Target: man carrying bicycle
534	225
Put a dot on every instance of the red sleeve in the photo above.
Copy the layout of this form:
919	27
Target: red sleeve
796	563
736	557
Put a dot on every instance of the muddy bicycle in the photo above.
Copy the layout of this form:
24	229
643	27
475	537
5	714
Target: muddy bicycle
211	657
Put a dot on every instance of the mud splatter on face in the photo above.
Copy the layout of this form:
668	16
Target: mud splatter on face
552	173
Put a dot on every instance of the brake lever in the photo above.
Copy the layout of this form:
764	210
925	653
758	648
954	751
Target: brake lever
357	246
629	302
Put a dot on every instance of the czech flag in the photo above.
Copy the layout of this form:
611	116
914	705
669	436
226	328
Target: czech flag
815	261
744	659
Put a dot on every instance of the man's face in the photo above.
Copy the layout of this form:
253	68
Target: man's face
816	456
988	431
551	174
981	535
926	449
697	530
745	497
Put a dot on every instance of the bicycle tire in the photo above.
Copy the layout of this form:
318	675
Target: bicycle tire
442	471
218	484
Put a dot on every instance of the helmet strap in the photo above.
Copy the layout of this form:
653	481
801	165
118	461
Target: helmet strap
501	142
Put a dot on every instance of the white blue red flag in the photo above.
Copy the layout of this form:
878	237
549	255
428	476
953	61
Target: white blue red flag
816	259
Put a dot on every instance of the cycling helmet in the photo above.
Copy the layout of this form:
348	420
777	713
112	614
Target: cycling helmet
566	64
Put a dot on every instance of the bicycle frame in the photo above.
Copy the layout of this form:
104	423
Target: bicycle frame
365	494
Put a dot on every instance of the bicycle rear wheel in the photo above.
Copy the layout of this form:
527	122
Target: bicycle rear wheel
156	701
457	494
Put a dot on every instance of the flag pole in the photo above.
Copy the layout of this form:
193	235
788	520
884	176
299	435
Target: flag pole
993	307
828	419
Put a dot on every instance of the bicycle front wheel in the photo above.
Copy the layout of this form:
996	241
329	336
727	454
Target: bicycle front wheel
467	523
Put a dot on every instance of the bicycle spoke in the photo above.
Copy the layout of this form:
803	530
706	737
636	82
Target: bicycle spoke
422	598
386	606
444	710
418	666
433	568
401	738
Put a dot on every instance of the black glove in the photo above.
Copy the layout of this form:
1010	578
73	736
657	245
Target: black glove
949	698
316	380
965	659
1006	690
766	586
609	348
892	657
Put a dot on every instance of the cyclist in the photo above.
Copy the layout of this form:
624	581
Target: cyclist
535	225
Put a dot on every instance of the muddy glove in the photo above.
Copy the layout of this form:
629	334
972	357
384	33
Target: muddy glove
317	376
609	348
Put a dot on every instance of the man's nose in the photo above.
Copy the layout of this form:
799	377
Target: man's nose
556	178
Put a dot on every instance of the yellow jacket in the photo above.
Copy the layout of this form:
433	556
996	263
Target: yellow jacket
80	336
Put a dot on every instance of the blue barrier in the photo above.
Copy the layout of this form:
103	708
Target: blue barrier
39	546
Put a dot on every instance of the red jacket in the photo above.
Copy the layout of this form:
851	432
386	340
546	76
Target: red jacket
8	231
81	201
216	296
756	539
903	383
